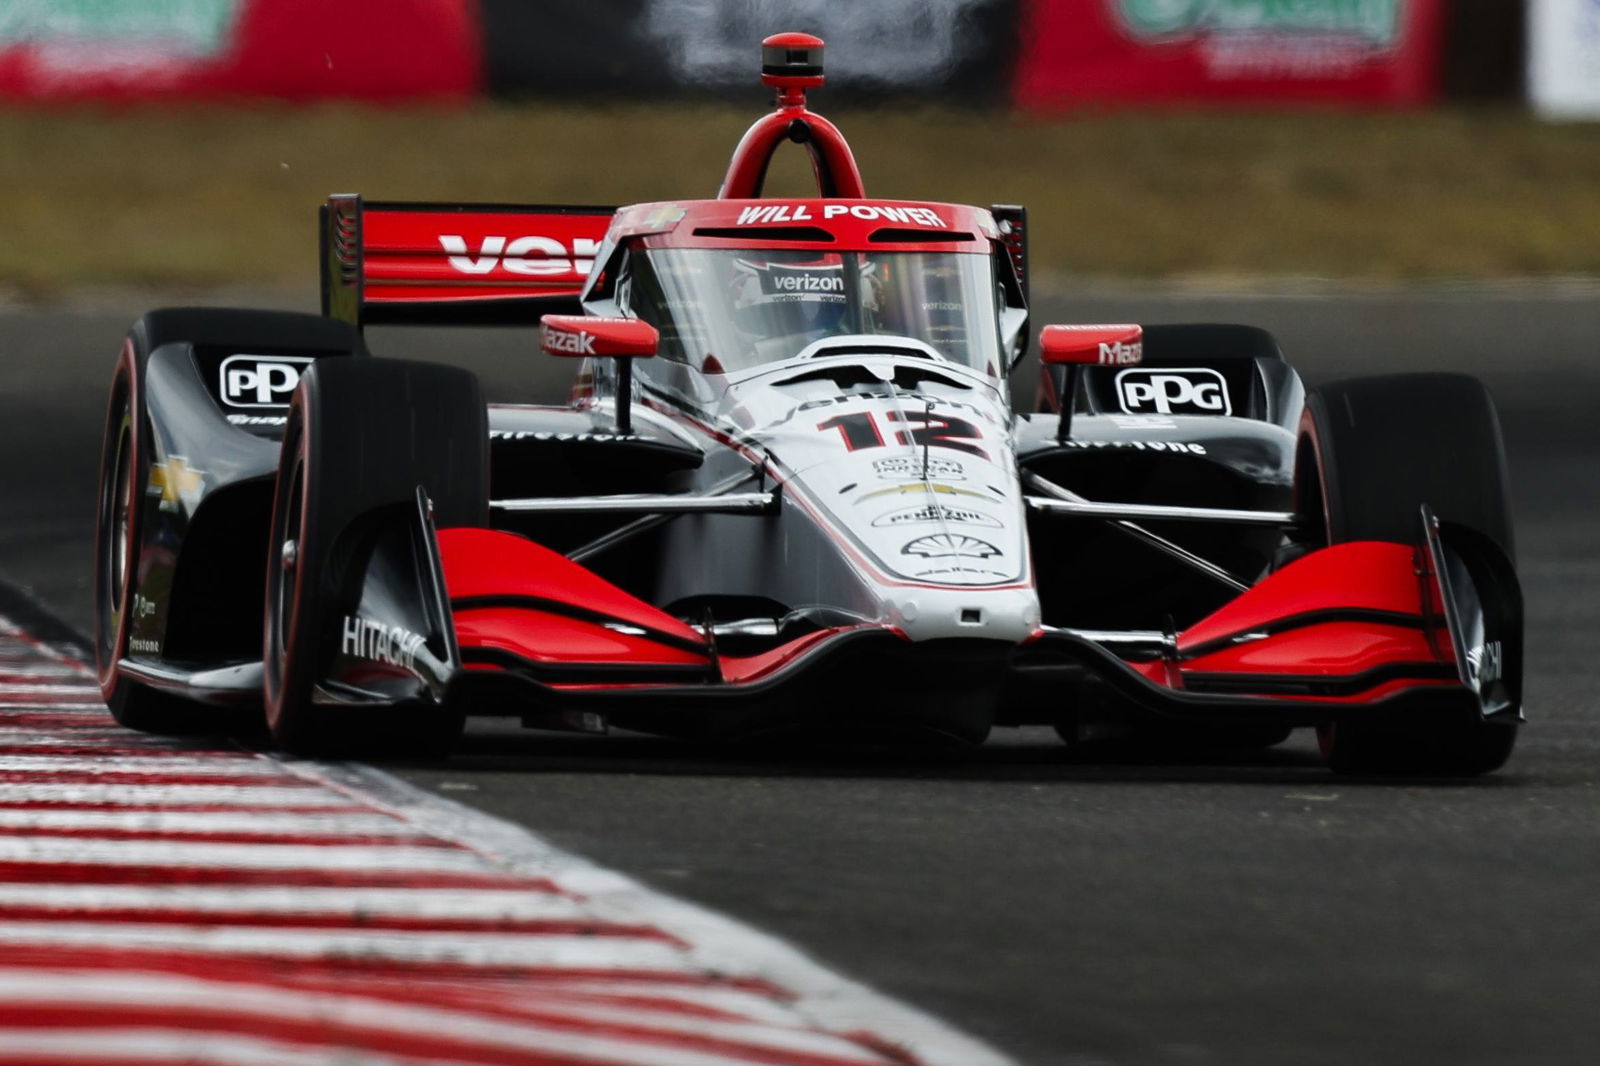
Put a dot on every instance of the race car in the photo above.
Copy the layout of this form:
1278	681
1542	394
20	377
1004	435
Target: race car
789	494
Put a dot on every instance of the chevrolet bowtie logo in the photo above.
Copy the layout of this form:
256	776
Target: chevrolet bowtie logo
175	480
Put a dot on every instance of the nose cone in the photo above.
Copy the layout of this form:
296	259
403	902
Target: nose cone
921	493
931	613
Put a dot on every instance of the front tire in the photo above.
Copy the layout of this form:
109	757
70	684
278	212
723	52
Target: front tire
362	435
1372	452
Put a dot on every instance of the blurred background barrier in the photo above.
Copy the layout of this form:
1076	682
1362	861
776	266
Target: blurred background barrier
1564	58
1151	139
1039	55
290	49
1166	51
643	48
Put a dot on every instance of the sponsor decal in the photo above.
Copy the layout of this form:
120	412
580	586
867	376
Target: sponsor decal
540	435
780	280
648	218
935	512
1120	353
1142	422
1180	447
906	490
260	380
362	638
905	216
948	572
950	546
143	615
909	468
258	420
768	214
1186	391
531	256
560	340
1486	663
760	216
175	481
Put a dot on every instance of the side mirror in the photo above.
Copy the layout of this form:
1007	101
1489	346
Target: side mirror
580	336
622	339
1092	345
1073	347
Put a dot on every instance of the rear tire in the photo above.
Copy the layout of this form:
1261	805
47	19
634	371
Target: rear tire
361	435
125	478
1372	451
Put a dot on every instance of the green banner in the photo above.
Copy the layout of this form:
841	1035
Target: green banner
197	26
1376	20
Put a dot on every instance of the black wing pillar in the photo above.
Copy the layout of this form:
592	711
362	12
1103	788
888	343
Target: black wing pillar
1474	602
393	640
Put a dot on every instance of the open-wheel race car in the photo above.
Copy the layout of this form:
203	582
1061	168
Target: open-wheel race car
789	494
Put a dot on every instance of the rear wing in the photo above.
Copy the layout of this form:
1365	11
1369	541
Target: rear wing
448	264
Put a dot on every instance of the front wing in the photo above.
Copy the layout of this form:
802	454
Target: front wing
1354	629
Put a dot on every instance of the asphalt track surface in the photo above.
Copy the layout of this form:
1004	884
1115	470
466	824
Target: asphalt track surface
1235	909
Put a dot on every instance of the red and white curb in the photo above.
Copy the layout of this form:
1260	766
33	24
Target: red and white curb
167	902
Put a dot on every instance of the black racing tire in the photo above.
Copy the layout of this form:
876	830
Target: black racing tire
125	476
361	435
1372	451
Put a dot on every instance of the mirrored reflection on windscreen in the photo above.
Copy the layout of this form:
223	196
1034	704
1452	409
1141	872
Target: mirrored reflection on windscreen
724	311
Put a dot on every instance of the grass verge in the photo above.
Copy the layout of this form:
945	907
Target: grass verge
197	196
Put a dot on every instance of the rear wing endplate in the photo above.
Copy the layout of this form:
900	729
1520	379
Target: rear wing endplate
449	264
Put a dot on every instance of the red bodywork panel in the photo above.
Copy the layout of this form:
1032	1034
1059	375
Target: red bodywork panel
512	595
411	254
1371	575
509	594
814	225
1351	615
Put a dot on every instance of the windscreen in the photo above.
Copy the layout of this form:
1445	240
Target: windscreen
728	310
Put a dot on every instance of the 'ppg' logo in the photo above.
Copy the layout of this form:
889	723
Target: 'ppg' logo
260	380
1189	391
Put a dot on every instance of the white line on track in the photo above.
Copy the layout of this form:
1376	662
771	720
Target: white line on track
446	948
719	944
109	739
265	797
206	856
486	904
19	822
177	763
52	688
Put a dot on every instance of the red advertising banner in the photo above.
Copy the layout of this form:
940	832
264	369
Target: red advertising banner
1075	52
289	49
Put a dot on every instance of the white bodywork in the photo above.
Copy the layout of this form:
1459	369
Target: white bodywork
918	488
